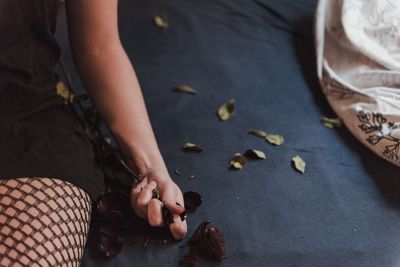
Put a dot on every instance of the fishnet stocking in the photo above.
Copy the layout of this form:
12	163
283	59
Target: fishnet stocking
43	222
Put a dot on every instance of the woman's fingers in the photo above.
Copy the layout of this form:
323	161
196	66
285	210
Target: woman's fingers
178	228
173	199
154	213
141	194
145	196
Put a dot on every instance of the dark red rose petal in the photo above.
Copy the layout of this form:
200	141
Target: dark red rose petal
112	226
189	260
110	246
192	200
112	201
216	243
167	216
200	233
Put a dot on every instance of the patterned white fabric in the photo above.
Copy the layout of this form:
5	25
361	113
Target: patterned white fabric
358	53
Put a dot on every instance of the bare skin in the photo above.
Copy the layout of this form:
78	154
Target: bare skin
111	83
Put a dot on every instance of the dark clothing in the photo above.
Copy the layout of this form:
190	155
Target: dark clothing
39	136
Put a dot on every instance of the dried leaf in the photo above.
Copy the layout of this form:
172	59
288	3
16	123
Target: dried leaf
258	133
275	139
238	161
255	154
192	147
161	21
332	122
192	200
227	110
62	90
186	89
177	172
110	246
299	164
328	125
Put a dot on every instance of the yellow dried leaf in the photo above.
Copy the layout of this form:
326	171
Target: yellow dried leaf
332	122
237	162
192	147
275	139
161	21
227	110
299	164
258	133
186	89
255	154
63	91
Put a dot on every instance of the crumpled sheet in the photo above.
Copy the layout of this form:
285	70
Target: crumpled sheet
359	67
344	211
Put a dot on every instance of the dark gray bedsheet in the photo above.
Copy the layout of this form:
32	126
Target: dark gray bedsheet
344	211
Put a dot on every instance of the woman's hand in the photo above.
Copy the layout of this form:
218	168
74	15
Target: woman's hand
150	209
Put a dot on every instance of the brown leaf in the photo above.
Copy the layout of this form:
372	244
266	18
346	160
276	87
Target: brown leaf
186	89
275	139
258	133
255	154
238	161
192	147
161	21
192	200
227	110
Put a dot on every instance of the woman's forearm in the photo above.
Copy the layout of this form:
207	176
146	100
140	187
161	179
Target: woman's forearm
111	83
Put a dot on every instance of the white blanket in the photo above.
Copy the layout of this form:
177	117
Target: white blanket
358	53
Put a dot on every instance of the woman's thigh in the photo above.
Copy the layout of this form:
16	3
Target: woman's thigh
43	222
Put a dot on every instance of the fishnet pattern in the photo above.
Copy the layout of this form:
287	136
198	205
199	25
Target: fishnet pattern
43	222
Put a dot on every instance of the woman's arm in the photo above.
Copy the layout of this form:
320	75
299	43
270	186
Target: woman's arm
111	83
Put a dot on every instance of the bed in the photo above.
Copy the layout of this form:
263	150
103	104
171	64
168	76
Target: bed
343	211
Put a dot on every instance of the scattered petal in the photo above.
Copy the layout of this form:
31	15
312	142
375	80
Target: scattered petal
110	246
200	233
227	110
189	260
113	226
238	161
191	177
192	200
210	240
258	133
192	147
167	216
255	154
332	122
216	243
299	164
186	89
112	202
275	139
161	21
